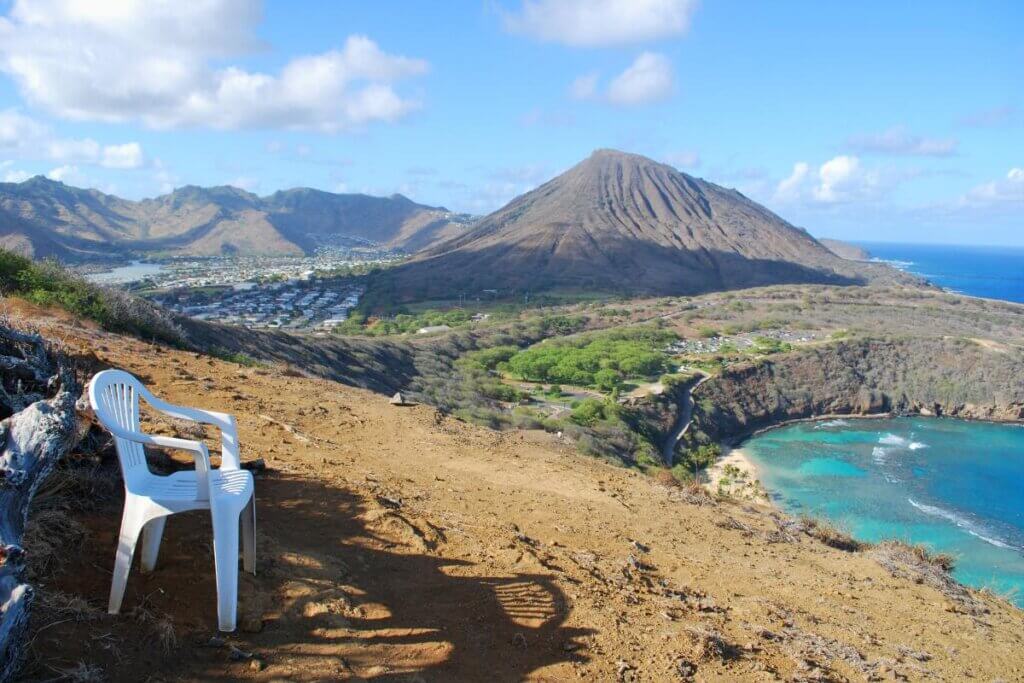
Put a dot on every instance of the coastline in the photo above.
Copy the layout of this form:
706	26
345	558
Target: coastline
748	486
745	484
735	442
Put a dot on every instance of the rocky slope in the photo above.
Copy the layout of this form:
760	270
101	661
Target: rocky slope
845	250
623	223
44	218
931	376
396	544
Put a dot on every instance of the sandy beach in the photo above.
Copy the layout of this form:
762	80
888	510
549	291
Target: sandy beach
745	484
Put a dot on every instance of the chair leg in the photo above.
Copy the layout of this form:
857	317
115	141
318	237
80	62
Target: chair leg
249	535
225	555
151	535
132	522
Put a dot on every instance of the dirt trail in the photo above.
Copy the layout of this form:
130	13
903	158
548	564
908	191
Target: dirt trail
398	545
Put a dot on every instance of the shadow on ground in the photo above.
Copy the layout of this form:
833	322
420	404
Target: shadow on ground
346	588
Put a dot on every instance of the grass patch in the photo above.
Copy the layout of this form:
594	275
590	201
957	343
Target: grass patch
236	357
47	283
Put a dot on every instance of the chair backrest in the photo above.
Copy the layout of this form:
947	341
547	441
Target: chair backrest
114	395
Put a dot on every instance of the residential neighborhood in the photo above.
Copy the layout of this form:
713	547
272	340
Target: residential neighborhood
294	304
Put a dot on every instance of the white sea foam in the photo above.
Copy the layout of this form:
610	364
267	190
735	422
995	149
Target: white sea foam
962	522
879	454
895	263
900	442
832	423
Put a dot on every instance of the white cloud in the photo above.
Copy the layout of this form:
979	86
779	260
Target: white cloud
898	141
27	138
18	132
128	155
16	176
596	23
791	187
584	87
648	79
73	150
164	64
1008	189
838	180
164	178
62	173
12	175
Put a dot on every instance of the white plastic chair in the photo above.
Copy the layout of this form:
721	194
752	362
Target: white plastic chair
227	492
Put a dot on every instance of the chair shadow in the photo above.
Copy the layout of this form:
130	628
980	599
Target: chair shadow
348	589
413	612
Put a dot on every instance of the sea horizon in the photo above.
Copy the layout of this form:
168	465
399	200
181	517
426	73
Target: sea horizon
986	271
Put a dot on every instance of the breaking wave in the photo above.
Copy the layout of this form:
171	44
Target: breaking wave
832	423
899	441
895	263
962	522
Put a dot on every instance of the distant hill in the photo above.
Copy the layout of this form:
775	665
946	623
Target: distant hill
845	250
623	223
44	218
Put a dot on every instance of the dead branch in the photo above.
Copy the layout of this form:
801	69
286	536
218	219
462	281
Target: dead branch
39	394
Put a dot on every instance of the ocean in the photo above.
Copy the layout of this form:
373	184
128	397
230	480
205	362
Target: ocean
953	485
992	272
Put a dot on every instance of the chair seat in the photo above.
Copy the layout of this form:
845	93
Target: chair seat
181	486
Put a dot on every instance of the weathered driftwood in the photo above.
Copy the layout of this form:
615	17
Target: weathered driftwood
38	395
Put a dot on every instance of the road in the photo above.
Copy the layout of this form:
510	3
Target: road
682	422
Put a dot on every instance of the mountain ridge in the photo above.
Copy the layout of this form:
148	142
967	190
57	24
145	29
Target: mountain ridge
41	217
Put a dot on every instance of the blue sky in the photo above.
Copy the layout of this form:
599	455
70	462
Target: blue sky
877	120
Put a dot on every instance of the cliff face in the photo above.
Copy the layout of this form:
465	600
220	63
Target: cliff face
952	377
850	252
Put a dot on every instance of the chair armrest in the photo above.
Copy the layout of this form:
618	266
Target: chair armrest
197	448
230	457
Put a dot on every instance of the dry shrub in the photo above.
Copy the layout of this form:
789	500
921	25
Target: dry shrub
943	561
290	370
693	493
54	605
917	563
48	535
831	535
160	627
80	673
78	484
709	645
664	477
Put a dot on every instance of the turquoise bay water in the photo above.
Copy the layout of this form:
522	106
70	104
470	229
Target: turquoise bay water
956	486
